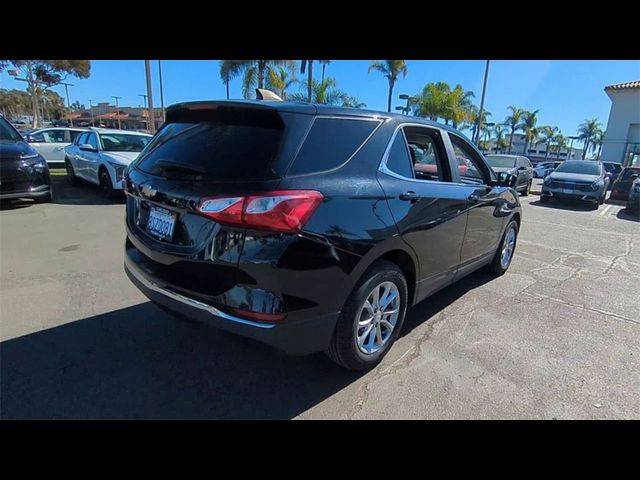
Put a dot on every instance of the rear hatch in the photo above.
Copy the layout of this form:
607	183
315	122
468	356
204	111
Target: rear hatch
216	149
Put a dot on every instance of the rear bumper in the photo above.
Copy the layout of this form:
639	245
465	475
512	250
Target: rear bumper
298	337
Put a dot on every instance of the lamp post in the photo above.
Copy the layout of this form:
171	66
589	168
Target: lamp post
66	89
408	98
484	91
117	109
571	147
152	120
162	91
91	112
145	99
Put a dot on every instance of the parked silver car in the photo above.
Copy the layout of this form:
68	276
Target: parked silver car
100	155
578	180
50	142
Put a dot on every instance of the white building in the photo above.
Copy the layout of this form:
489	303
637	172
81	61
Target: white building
537	152
621	141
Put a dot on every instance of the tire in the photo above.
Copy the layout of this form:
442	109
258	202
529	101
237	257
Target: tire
106	185
601	199
343	348
527	188
497	266
71	173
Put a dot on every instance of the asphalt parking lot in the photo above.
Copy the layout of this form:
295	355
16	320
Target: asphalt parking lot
557	337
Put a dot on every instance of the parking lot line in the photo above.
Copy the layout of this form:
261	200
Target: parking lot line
605	210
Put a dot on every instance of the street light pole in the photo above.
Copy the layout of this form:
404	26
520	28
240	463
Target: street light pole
66	88
484	91
161	89
408	98
91	112
152	120
145	99
117	110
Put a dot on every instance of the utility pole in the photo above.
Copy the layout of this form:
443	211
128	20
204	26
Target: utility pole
66	88
161	89
145	99
152	120
484	91
117	110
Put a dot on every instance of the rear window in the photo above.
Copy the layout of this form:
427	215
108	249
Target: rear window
214	150
628	172
330	143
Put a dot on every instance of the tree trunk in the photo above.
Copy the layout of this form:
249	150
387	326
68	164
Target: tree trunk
511	138
586	147
34	96
309	80
324	65
227	82
599	151
546	153
390	96
261	68
526	144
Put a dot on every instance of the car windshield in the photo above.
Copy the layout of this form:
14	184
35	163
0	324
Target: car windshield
497	161
581	166
122	142
7	132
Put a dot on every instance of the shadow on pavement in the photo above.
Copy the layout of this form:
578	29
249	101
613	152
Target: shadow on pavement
573	205
83	193
624	215
140	362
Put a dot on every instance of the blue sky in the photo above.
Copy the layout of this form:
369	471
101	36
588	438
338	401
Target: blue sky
565	91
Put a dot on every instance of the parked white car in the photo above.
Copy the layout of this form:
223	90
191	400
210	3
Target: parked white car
50	142
100	156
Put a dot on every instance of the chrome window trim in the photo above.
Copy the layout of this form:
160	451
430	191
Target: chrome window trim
133	269
385	156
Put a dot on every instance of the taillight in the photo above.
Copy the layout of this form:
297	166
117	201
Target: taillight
259	316
281	211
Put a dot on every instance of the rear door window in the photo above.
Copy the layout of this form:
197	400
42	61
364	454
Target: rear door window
331	142
214	150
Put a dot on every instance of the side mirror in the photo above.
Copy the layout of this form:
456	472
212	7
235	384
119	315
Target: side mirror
86	147
506	179
29	138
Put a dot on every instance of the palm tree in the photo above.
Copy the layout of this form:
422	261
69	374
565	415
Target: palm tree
280	79
432	102
303	67
255	73
324	64
391	69
500	132
560	142
322	92
596	143
353	102
548	134
586	131
459	105
229	69
513	122
528	126
475	122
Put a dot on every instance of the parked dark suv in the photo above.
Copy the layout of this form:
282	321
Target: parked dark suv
305	226
23	171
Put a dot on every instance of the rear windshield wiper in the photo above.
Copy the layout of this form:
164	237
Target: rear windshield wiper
169	166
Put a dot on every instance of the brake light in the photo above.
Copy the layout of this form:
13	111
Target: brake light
280	211
259	316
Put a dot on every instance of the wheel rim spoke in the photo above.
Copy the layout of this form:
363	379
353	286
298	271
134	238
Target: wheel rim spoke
378	317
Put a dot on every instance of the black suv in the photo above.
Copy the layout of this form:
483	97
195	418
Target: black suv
23	171
305	226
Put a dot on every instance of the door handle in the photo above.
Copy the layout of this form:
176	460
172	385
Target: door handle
409	196
57	149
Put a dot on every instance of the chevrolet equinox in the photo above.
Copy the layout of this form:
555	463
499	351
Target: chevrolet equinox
310	227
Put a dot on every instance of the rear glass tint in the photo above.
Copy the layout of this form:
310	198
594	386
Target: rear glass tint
330	143
214	150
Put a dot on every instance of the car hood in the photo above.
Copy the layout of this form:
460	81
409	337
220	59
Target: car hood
123	158
12	150
574	177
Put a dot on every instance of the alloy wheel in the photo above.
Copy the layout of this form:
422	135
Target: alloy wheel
378	318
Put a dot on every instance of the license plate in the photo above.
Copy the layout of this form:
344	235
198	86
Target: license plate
567	190
161	223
